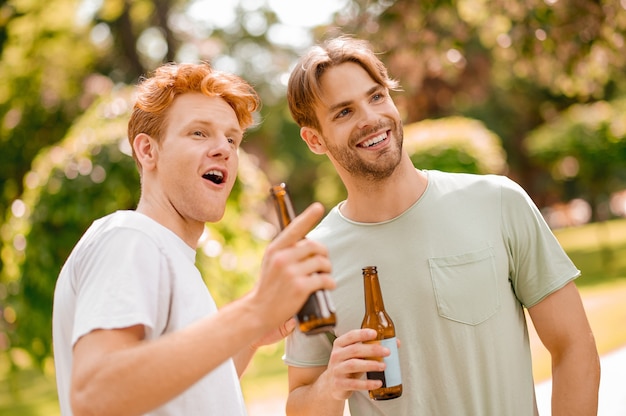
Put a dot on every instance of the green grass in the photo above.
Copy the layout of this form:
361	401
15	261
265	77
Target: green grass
28	393
267	374
599	251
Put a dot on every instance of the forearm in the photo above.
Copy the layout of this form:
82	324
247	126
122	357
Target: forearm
242	359
137	378
575	382
314	400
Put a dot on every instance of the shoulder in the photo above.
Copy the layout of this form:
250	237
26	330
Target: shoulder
459	178
144	227
121	231
478	185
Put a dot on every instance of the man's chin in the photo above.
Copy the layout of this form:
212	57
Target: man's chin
214	217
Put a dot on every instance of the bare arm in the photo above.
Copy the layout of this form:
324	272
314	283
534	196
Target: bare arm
243	357
562	326
117	372
324	390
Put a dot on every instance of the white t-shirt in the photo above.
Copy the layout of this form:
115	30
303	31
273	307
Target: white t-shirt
456	270
127	269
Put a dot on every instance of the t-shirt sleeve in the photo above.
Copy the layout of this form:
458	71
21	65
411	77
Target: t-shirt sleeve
538	265
307	350
117	283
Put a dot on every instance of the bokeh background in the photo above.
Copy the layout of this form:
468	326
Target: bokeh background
534	89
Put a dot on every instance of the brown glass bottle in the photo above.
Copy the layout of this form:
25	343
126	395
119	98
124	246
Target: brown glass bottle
318	313
377	318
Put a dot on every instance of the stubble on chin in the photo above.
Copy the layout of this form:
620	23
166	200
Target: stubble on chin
386	163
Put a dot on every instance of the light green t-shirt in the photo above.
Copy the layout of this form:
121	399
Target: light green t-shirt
456	270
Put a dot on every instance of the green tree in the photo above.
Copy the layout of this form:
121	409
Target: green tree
513	65
584	151
455	144
44	86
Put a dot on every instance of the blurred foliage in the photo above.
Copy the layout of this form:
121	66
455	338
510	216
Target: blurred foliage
489	73
45	60
70	184
455	144
512	64
584	148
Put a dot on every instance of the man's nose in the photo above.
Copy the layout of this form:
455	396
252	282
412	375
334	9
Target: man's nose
221	148
367	116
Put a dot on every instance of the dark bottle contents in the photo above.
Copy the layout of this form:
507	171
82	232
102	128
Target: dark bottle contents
318	313
377	318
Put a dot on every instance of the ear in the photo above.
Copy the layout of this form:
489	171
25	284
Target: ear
313	139
145	148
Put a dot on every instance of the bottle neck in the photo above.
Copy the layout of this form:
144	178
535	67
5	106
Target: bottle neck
373	295
284	206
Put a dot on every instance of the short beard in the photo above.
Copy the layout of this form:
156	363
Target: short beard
377	171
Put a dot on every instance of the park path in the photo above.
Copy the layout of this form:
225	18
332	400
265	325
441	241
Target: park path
606	310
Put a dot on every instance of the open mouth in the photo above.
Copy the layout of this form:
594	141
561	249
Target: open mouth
374	140
215	176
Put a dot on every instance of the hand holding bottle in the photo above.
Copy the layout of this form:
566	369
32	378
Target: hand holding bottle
317	315
350	360
376	318
292	268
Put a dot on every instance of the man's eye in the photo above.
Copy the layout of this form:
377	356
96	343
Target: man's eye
199	133
342	113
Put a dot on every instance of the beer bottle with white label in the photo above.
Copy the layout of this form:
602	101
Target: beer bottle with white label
318	313
377	318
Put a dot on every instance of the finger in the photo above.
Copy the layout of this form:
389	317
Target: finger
350	375
357	382
316	281
357	367
300	225
356	344
309	257
354	336
288	327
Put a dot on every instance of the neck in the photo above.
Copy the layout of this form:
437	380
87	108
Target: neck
383	200
189	232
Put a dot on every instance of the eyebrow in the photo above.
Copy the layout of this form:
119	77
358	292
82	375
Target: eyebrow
212	124
342	104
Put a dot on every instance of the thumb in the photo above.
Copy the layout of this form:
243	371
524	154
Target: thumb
288	327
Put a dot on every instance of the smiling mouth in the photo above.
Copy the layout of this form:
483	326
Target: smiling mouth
214	176
374	140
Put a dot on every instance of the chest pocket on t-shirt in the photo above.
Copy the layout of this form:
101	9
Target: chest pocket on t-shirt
465	285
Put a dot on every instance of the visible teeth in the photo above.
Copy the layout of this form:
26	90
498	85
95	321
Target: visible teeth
375	140
214	176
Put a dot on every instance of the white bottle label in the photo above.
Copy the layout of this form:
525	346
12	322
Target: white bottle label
393	377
